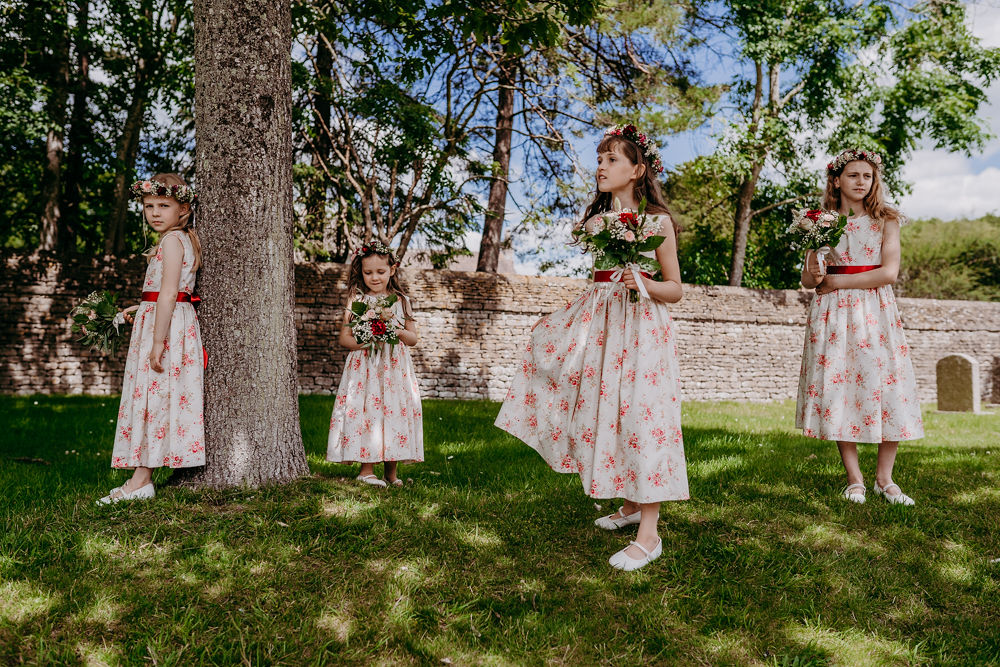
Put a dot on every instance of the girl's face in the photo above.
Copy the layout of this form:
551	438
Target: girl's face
163	213
615	172
855	182
376	272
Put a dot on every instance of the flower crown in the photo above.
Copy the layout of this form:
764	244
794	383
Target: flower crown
374	247
153	188
630	132
852	154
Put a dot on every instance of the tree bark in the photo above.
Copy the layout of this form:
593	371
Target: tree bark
489	247
79	132
52	176
741	226
243	132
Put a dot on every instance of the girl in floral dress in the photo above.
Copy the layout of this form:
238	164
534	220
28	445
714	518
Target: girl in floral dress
377	415
160	421
596	392
856	383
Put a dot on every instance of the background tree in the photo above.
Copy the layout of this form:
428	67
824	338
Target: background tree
244	161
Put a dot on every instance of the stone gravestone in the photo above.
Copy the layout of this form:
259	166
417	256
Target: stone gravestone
958	383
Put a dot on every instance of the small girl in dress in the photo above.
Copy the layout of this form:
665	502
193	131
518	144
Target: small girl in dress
856	383
596	390
377	415
160	419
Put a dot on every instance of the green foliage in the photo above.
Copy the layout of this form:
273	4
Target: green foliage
957	259
489	557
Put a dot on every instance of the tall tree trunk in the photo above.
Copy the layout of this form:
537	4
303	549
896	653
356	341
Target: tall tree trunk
243	131
128	149
741	226
316	202
79	132
489	248
52	177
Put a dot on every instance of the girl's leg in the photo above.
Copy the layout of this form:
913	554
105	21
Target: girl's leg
140	478
849	455
647	536
367	469
390	471
883	471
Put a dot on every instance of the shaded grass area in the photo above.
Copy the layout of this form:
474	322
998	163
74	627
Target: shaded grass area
488	557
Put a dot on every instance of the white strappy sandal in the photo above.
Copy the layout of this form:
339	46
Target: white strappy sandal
617	520
851	493
898	499
622	561
372	480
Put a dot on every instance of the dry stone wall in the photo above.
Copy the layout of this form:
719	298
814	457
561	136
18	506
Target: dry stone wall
735	343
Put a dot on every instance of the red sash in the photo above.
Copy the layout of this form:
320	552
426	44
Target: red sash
605	276
852	269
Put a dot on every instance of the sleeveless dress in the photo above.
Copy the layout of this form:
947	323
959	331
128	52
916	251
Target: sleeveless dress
596	393
857	383
377	414
160	420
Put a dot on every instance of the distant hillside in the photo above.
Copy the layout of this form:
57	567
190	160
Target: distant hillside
955	259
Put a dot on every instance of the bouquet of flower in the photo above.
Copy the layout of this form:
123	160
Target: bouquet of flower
618	243
374	324
98	318
817	229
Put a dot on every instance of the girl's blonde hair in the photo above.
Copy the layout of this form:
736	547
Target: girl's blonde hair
186	219
874	201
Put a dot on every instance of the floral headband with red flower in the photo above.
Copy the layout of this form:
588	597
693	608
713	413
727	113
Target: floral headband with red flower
154	188
374	247
852	154
629	131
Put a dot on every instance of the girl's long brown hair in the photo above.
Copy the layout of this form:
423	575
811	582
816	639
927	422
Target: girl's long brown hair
356	281
647	187
186	219
874	201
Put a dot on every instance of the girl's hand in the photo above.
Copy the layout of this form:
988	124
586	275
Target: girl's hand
828	285
155	355
813	267
127	313
629	280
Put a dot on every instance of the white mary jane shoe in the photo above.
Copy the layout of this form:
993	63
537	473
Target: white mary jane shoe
142	493
617	520
372	480
852	493
898	499
622	561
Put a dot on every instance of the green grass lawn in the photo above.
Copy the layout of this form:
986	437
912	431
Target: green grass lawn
488	557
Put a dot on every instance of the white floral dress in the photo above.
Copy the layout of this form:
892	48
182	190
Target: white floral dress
856	383
160	419
596	393
377	414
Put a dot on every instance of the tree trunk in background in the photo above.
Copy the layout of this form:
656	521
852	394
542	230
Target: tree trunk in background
316	201
79	132
128	149
243	115
489	247
52	176
741	224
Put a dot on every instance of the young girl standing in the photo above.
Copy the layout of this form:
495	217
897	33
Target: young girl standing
160	421
857	383
377	415
596	393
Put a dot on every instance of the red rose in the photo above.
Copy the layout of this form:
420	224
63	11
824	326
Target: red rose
628	218
379	328
814	214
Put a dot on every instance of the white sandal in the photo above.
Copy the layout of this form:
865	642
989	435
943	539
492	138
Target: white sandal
372	480
898	499
142	493
622	561
618	520
853	495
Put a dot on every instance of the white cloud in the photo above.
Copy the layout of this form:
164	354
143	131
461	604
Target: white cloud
946	187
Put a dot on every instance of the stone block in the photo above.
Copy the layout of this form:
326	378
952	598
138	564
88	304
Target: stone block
958	383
